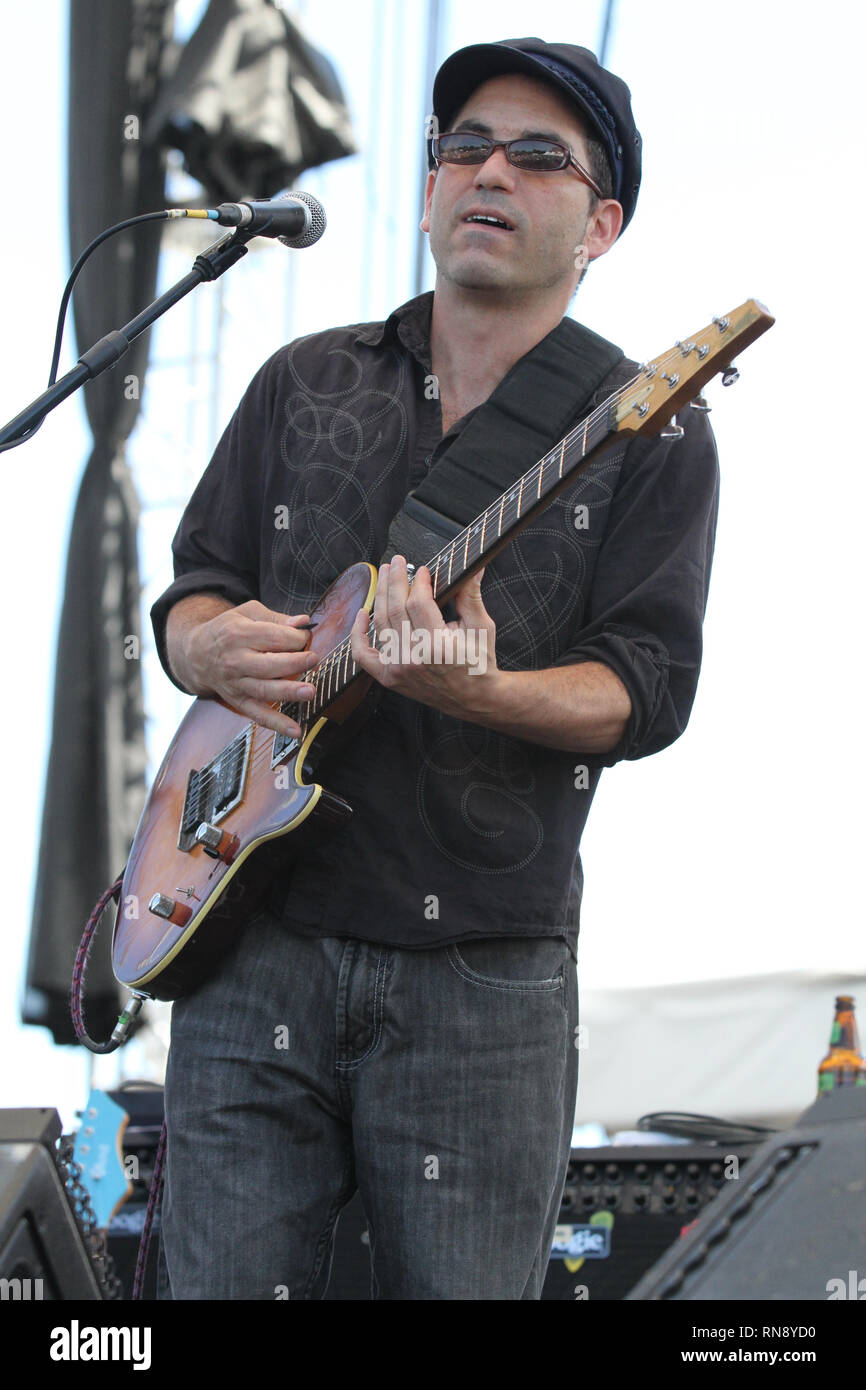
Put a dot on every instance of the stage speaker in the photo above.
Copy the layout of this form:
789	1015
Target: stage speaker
42	1251
792	1226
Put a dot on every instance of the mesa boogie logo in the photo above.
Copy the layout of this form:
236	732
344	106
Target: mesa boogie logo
581	1242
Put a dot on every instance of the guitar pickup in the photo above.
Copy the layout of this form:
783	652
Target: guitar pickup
214	790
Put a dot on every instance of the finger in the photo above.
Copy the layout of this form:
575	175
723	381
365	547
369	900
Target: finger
363	654
276	692
265	714
269	665
258	612
265	636
380	602
398	592
470	604
421	606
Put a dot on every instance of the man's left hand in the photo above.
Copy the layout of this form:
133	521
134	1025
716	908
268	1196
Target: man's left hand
451	666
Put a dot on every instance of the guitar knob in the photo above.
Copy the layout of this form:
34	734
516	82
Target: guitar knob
169	909
209	837
216	843
161	906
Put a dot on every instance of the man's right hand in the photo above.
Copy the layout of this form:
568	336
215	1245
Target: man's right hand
250	656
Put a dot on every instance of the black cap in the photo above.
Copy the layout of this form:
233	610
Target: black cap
602	98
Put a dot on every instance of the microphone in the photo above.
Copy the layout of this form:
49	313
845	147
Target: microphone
295	219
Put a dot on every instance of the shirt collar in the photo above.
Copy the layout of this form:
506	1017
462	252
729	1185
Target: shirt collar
410	324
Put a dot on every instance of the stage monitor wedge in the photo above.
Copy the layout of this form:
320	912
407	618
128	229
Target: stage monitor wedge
791	1226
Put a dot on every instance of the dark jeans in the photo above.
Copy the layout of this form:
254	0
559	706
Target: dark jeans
441	1083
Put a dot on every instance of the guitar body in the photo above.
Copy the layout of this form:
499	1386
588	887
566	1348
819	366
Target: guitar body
247	782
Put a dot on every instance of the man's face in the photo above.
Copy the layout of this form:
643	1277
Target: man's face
548	213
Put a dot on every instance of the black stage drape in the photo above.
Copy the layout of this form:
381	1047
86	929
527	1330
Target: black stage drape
95	778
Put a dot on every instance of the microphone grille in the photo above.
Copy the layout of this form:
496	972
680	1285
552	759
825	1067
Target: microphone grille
315	226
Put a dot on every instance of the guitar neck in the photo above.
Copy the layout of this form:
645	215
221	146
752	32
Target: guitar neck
496	527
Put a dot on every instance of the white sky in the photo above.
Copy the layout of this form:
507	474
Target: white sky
739	849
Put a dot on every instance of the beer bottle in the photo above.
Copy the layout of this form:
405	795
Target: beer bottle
843	1065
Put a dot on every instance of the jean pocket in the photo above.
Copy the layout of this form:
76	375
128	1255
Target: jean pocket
512	963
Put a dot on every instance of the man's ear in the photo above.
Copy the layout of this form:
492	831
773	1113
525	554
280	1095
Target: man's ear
603	227
428	195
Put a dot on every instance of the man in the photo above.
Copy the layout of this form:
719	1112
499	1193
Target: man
401	1015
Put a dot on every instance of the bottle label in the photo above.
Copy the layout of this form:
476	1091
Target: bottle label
825	1082
835	1033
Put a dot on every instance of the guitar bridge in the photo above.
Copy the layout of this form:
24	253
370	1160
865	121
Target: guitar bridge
214	790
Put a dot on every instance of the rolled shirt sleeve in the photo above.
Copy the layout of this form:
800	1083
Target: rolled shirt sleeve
651	582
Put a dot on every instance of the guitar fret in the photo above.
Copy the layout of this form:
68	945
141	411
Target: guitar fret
540	476
520	495
561	457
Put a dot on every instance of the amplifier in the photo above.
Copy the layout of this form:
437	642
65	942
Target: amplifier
623	1207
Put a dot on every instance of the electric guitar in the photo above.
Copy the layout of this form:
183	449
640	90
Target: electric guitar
229	790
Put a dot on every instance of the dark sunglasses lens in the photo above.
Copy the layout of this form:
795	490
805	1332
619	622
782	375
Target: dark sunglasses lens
537	155
464	148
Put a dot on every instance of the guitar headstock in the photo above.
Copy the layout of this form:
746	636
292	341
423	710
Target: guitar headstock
669	381
98	1151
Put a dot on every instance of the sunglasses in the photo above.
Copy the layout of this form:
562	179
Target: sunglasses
533	156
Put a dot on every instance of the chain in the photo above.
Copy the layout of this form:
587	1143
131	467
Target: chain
94	1239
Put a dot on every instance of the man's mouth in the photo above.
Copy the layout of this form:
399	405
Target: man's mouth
487	219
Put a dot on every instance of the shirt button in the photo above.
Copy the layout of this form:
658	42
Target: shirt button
429	458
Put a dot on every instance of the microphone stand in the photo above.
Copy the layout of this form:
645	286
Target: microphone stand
210	265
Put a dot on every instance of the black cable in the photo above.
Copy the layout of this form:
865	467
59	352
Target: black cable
64	304
684	1124
76	270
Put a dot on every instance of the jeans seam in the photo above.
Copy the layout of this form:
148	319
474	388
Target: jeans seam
323	1245
460	967
382	966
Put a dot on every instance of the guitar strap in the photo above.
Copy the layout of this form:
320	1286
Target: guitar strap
534	405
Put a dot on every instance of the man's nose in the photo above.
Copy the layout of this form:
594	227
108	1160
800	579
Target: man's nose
495	170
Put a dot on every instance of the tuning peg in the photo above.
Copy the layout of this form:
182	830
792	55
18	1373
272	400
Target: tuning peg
672	431
700	403
730	375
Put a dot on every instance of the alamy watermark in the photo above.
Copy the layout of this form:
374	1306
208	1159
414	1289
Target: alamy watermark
444	646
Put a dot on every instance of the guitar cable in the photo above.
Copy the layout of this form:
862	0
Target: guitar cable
132	1008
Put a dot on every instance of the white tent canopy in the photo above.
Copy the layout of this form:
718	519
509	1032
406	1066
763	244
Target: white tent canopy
742	1049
